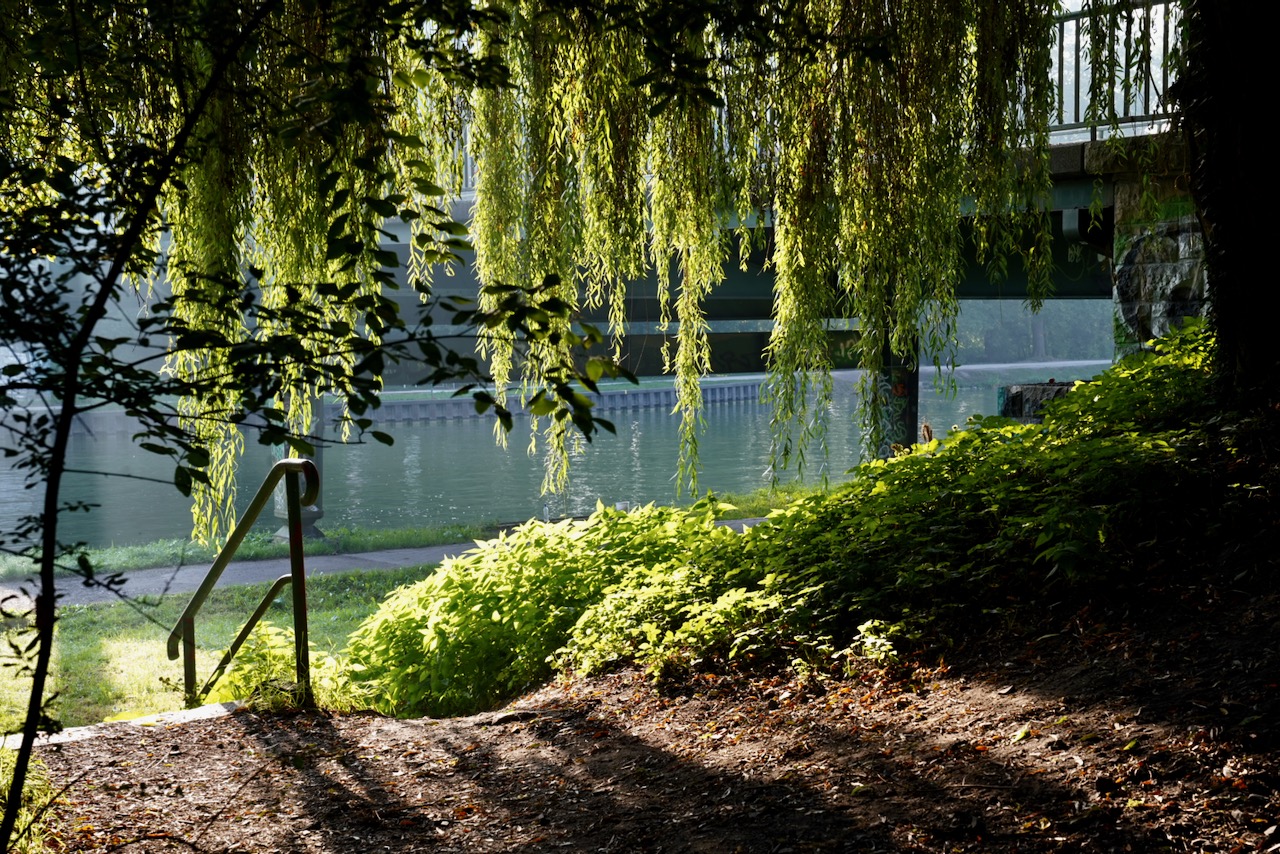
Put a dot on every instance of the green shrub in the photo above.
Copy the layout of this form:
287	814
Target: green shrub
999	513
485	625
1169	386
264	674
675	609
264	671
930	541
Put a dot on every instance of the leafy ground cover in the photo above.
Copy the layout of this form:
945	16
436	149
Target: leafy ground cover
36	794
110	659
1028	637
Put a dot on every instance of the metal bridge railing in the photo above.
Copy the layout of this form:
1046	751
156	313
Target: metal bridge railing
1145	55
184	632
1145	52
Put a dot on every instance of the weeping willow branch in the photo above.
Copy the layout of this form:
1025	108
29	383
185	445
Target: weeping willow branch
849	140
849	133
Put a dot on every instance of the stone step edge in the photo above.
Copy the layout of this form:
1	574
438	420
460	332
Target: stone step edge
165	719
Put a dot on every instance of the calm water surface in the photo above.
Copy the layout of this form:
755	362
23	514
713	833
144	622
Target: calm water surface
452	471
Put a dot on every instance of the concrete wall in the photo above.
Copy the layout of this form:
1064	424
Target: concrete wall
1157	262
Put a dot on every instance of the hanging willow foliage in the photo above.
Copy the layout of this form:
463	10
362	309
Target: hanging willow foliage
844	137
262	145
848	135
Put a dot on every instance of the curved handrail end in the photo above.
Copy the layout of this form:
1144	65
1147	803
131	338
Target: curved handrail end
310	474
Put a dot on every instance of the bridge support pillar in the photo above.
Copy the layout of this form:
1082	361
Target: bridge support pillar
899	390
1158	259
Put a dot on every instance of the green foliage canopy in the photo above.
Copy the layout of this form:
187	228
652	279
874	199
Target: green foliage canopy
844	135
607	140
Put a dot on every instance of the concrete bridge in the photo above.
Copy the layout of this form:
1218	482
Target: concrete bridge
1123	230
1097	213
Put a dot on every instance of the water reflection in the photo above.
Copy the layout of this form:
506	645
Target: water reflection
452	471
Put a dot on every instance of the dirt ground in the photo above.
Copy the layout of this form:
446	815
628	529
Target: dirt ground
1141	729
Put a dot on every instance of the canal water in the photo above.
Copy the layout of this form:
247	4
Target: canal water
443	471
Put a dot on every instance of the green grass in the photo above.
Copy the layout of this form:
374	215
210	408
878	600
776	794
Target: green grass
762	502
259	545
36	793
110	660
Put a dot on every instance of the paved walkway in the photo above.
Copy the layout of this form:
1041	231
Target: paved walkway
186	579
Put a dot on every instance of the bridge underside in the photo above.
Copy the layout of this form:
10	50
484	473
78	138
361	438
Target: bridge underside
739	311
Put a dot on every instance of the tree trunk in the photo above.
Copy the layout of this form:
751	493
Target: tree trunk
1223	112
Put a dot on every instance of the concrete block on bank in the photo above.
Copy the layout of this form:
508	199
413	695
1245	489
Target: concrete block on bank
1025	401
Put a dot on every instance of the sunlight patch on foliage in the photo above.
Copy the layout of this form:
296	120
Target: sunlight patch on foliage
484	626
997	513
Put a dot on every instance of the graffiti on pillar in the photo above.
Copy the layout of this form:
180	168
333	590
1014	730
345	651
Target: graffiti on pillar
1159	280
897	414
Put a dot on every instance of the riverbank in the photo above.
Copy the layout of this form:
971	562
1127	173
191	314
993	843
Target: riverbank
1113	733
111	655
260	545
149	584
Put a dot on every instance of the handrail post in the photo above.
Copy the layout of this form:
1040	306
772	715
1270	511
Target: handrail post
297	569
188	659
184	633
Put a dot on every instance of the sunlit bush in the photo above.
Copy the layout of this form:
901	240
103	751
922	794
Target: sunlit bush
485	625
935	540
263	675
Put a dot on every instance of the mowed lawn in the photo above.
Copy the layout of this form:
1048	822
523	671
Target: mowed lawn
111	660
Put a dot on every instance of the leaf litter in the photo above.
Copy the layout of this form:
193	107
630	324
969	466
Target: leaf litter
1141	728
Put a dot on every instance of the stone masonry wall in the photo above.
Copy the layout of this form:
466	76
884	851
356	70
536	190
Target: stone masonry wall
1158	253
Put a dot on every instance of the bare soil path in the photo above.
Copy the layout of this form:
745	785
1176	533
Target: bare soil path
1138	729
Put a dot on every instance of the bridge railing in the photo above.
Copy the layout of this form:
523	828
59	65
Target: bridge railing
1144	56
1140	60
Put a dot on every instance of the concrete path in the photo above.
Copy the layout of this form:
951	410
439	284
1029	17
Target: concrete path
142	583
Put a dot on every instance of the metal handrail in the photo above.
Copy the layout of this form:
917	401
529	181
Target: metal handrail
1148	71
184	632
